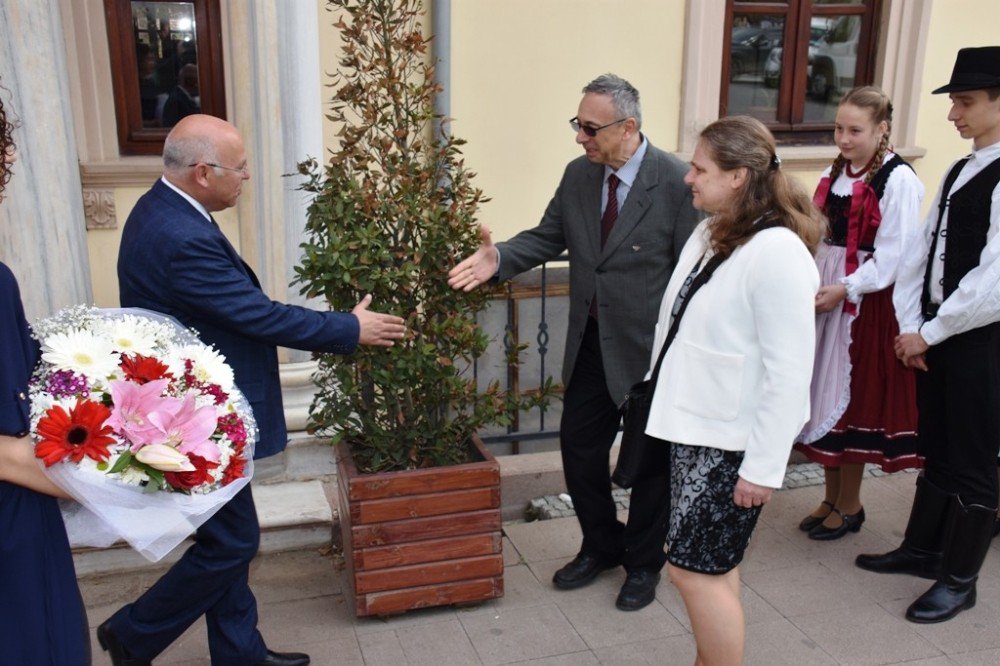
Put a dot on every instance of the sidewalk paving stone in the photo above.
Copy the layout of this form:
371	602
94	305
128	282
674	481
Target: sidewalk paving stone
805	602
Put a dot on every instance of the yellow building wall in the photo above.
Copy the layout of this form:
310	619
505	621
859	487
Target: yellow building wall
954	24
517	68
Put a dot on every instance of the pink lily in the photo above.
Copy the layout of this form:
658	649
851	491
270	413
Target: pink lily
187	428
132	404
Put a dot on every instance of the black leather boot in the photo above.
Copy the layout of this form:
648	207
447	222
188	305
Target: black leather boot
922	547
955	589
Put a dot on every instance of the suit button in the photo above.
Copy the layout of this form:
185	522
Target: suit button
22	396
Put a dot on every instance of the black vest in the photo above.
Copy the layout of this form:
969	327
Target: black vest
838	207
968	224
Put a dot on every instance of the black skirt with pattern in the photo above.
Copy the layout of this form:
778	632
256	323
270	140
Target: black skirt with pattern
708	532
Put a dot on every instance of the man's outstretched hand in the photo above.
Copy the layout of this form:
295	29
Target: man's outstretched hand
476	269
377	329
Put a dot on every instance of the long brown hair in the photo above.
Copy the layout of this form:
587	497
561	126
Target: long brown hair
742	142
6	144
874	100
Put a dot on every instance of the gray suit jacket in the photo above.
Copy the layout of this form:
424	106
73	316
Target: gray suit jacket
629	275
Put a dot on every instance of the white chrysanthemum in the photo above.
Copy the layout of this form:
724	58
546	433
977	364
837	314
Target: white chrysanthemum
208	365
134	476
131	335
81	351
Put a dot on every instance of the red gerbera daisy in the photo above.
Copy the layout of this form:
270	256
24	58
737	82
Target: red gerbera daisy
188	480
142	369
80	433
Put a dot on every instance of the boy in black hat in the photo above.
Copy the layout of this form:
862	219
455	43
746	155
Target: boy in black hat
947	300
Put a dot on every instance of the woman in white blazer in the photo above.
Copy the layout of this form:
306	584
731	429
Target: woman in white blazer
733	391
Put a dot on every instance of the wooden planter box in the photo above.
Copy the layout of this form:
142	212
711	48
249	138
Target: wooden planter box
421	538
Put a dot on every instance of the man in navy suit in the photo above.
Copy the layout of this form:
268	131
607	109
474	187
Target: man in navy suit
175	260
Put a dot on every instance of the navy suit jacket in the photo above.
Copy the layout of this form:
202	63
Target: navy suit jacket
173	260
20	353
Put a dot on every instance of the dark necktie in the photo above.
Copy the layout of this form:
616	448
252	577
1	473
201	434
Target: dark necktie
607	222
611	210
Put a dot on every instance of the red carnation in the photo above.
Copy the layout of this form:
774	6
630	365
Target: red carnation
142	369
189	480
80	433
237	465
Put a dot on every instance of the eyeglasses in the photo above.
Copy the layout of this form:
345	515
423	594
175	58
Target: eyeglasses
587	129
242	169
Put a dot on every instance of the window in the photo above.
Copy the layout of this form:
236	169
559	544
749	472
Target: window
788	63
166	62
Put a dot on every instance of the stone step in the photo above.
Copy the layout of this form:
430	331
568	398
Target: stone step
293	515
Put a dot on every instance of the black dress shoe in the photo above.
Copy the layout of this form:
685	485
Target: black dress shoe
810	522
638	591
120	656
903	560
849	523
580	571
284	659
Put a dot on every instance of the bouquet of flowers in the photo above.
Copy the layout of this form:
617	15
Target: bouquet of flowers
140	422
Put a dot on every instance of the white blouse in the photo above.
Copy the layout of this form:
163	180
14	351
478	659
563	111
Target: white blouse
976	302
900	208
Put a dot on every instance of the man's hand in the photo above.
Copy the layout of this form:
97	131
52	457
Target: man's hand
749	495
377	329
918	362
476	269
910	349
830	296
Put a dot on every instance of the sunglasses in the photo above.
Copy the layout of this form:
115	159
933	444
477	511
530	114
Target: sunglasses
587	129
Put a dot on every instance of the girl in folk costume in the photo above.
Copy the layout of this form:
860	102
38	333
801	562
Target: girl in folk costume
863	399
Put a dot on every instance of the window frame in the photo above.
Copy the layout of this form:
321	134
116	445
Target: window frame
133	138
791	128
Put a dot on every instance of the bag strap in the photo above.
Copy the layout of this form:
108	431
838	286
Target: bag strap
699	281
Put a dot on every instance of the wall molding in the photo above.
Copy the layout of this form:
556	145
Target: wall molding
99	209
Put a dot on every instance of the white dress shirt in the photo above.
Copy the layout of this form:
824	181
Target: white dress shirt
900	208
191	200
976	301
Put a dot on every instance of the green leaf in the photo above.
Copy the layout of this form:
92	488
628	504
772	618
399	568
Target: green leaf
123	461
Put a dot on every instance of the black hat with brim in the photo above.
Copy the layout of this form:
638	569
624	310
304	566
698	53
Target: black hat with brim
975	69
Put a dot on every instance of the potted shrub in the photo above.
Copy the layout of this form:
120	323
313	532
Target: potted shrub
391	211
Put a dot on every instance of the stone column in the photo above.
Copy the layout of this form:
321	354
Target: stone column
42	227
276	103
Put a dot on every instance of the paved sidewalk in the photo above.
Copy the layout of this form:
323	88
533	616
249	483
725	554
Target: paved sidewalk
805	603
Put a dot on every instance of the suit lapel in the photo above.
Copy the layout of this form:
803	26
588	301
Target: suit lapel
191	213
634	208
592	208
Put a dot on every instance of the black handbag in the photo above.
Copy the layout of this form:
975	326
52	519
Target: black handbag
637	447
637	450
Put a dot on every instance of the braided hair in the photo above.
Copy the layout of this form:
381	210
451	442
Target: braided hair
7	146
873	99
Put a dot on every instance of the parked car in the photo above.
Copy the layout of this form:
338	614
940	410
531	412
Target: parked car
833	60
833	48
750	47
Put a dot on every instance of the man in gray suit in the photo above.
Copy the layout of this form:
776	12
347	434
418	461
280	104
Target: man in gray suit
624	214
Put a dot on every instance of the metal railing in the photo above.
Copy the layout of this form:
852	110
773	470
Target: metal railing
537	299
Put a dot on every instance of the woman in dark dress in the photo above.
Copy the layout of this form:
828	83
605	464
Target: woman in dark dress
42	618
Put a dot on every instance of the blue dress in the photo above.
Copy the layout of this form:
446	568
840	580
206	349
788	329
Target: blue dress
42	618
